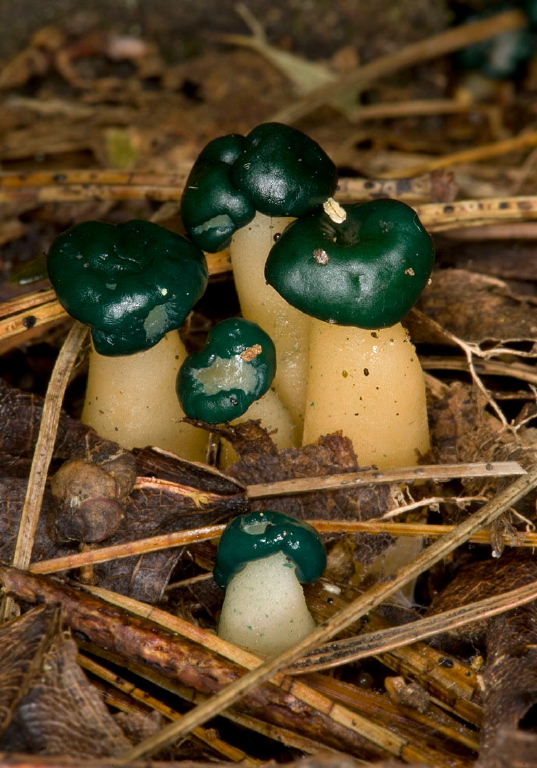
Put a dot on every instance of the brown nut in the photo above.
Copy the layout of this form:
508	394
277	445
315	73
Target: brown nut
91	494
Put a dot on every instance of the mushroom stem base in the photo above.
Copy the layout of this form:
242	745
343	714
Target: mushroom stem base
287	326
131	399
369	385
264	608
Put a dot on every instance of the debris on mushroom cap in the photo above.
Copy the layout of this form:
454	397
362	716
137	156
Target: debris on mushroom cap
276	170
131	283
367	271
235	367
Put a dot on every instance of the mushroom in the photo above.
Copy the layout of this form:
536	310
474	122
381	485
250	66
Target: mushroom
359	278
244	190
133	284
230	378
261	558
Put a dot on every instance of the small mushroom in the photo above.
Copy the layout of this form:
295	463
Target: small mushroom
261	558
244	190
359	278
230	378
133	284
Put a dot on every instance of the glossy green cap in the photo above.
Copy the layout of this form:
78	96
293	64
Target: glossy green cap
367	271
235	367
131	283
275	170
261	534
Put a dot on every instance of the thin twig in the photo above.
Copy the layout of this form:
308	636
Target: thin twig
39	315
210	532
130	549
26	301
476	154
43	452
213	742
431	48
512	369
374	643
358	608
438	472
438	217
78	185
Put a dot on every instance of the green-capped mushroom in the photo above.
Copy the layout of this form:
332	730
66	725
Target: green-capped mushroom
246	189
133	284
261	558
235	367
359	278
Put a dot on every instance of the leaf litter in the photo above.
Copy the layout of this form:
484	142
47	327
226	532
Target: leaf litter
475	329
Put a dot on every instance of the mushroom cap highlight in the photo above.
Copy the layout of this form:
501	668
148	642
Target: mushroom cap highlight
260	534
367	271
275	170
131	283
234	368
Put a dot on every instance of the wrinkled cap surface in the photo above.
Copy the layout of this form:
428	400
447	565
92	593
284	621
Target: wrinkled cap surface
275	170
261	534
235	367
367	271
131	283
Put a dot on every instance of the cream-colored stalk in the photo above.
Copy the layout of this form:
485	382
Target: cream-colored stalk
287	326
370	385
131	399
264	608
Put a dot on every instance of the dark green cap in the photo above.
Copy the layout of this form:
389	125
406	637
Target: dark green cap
367	271
298	540
275	170
131	283
235	367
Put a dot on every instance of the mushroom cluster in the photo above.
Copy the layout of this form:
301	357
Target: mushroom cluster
323	289
329	283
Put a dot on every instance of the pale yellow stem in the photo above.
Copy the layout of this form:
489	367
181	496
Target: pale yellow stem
132	400
264	608
287	326
370	385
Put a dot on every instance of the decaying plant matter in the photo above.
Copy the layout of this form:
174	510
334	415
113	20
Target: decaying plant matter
108	643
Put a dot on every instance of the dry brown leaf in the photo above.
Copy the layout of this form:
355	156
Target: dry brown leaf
60	713
509	682
23	641
475	308
477	581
